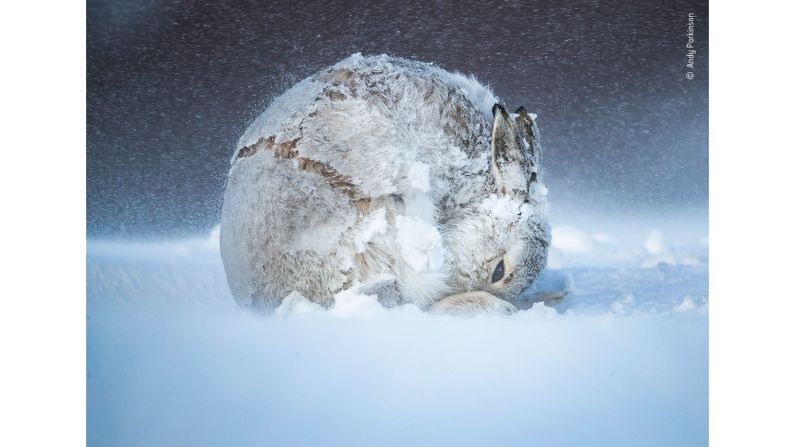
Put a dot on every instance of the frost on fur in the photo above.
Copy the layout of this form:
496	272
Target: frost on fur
383	166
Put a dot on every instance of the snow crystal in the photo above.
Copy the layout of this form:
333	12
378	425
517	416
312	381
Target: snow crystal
351	303
687	304
372	224
622	305
577	246
503	206
655	243
296	304
420	244
571	240
419	177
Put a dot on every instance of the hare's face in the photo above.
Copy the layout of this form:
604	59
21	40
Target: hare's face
500	245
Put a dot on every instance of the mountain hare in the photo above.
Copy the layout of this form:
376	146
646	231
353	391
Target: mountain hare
393	174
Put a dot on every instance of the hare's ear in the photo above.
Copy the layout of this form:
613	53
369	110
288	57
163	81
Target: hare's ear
507	155
530	143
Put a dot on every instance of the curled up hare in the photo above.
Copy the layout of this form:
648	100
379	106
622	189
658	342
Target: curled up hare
392	175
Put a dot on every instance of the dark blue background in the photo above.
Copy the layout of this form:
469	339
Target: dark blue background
173	84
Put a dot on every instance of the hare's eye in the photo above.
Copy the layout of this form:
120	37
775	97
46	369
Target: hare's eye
499	271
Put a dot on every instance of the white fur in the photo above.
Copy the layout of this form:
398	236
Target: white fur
414	141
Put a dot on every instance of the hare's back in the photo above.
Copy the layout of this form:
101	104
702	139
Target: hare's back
366	135
277	223
369	122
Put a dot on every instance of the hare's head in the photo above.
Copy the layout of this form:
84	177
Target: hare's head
500	244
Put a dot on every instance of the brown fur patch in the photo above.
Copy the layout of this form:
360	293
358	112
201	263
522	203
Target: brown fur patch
363	205
248	151
334	95
339	76
288	150
335	179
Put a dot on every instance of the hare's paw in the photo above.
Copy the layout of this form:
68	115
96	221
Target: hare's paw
470	304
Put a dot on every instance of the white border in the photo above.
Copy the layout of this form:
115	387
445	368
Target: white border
751	223
42	330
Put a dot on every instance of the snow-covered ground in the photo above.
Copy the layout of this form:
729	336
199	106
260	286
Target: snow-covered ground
622	360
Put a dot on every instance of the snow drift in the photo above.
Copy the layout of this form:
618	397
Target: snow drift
621	361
